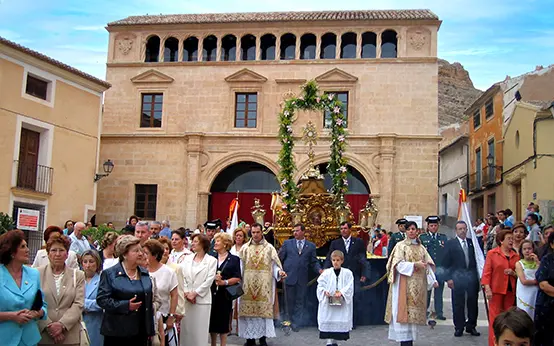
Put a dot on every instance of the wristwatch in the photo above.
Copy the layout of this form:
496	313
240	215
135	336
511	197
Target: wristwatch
226	282
171	315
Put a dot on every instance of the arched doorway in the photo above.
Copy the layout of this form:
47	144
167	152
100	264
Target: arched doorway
251	180
358	188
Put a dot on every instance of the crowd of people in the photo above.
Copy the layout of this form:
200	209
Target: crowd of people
150	285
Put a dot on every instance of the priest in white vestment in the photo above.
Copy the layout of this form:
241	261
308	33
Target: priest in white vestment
261	268
411	275
335	291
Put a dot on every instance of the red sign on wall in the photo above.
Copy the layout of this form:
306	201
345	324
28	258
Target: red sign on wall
28	219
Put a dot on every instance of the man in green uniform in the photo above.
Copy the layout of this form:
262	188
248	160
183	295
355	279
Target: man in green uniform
398	236
434	243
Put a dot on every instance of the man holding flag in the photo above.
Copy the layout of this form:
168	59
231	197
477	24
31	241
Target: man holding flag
463	267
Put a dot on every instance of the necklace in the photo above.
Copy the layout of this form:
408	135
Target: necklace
132	277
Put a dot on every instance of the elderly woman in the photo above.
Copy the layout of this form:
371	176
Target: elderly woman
228	274
199	273
240	237
179	244
499	277
92	315
107	255
64	290
165	279
125	293
21	301
41	258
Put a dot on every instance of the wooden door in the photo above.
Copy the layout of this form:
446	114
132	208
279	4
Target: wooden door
518	202
28	159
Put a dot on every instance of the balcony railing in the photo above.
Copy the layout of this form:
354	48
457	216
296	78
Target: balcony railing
31	176
489	175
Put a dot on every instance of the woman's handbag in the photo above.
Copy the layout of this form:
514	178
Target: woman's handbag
234	291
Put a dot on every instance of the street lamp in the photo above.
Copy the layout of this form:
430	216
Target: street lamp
108	168
490	160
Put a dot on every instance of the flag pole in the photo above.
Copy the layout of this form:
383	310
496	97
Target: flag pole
482	287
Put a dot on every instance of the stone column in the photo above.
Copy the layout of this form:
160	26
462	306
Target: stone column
278	47
297	48
194	150
202	211
378	48
386	175
359	45
317	46
181	53
258	48
337	48
162	48
200	53
218	49
238	48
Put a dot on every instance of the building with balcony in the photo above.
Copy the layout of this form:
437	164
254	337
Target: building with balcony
453	173
50	135
529	158
485	151
191	118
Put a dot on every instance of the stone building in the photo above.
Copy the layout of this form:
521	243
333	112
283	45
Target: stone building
192	114
50	136
529	158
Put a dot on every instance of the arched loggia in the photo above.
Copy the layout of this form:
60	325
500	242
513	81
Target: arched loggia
250	180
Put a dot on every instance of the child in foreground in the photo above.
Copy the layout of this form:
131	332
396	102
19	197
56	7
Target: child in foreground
335	289
513	327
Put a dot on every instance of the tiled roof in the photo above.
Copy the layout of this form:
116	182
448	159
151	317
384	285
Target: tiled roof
542	104
277	17
54	62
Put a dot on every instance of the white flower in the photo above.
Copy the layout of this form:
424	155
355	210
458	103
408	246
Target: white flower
310	134
345	182
340	122
284	194
341	138
286	113
331	96
289	128
284	206
336	109
342	169
284	182
317	99
301	98
293	102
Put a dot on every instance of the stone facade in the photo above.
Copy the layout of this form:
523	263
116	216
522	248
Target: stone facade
392	115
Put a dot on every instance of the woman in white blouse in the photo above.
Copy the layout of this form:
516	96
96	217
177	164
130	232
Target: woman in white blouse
240	237
179	244
199	273
41	258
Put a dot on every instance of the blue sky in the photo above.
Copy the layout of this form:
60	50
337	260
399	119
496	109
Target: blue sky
491	38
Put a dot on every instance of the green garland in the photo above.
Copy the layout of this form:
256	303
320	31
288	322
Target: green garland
310	99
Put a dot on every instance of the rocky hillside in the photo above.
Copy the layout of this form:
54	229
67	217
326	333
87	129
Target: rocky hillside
456	92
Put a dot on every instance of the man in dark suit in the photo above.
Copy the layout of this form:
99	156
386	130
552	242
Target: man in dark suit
298	255
398	236
435	242
460	273
355	259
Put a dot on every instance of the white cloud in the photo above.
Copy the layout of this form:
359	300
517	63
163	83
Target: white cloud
89	28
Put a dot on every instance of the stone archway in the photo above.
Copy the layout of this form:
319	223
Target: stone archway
247	180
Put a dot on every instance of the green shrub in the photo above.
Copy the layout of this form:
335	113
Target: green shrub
6	223
97	233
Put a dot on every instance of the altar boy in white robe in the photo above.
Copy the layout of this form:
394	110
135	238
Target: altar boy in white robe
335	290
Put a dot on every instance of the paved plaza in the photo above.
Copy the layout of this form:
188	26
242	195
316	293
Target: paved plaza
442	334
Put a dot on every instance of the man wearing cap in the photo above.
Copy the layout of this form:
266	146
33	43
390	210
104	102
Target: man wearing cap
434	243
212	227
398	236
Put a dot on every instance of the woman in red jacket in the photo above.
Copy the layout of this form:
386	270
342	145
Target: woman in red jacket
499	277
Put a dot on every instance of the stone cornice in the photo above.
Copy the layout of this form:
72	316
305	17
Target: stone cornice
333	62
206	136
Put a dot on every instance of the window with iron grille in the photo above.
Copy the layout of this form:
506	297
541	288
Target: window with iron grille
476	118
151	110
489	109
342	96
145	201
246	110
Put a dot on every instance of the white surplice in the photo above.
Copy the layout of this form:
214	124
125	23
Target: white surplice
257	327
332	318
405	331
